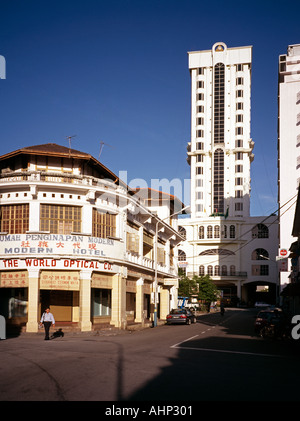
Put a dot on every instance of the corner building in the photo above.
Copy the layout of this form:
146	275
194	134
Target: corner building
75	238
222	239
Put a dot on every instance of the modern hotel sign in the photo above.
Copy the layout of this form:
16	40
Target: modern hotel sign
57	244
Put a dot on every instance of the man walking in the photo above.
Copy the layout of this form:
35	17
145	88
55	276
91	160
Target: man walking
46	320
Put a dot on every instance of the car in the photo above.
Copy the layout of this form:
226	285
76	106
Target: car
181	316
261	304
266	317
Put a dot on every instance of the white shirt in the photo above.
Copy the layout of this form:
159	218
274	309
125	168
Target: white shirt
47	317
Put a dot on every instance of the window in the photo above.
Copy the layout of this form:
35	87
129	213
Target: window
239	118
199	195
200	84
239	106
199	158
232	231
260	270
209	231
239	156
260	254
224	270
101	302
182	231
239	181
200	133
239	193
239	168
239	93
200	108
199	170
260	231
216	231
201	232
200	97
219	105
181	256
239	81
199	146
217	270
239	143
218	196
60	219
232	270
200	121
14	219
239	67
201	270
104	224
209	270
201	71
238	206
239	131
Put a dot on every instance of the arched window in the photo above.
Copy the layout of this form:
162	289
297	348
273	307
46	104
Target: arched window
181	256
201	270
232	231
209	231
217	270
182	231
260	231
224	270
260	254
217	231
232	270
209	270
201	232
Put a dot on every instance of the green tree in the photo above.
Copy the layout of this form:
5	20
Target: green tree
207	290
187	287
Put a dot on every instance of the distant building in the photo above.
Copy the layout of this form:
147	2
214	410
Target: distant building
73	236
288	145
222	239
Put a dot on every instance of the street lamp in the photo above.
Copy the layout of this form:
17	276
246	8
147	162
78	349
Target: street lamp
155	262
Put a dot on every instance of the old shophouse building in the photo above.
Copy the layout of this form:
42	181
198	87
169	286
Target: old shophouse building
75	238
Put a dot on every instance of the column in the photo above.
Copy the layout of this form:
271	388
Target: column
139	301
164	302
85	301
238	289
118	302
33	300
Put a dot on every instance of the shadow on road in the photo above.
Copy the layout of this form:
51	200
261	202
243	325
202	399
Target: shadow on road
233	365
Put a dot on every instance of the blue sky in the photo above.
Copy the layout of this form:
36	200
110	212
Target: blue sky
116	71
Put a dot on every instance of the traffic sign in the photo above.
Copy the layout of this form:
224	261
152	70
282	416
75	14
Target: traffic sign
283	252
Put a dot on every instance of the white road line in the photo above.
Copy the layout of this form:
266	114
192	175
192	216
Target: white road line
225	351
186	340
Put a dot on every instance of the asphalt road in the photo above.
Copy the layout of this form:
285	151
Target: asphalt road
216	359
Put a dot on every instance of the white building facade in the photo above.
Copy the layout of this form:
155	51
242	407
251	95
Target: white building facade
75	238
222	240
288	145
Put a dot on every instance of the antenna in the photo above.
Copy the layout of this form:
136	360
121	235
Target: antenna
101	147
69	138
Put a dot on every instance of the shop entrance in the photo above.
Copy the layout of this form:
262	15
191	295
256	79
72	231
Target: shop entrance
60	303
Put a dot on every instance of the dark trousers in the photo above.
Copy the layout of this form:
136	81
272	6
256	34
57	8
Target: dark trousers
47	328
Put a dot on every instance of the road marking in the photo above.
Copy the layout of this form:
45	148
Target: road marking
186	340
177	346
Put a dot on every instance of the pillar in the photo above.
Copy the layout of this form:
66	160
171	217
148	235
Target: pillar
118	302
139	301
33	300
164	303
85	301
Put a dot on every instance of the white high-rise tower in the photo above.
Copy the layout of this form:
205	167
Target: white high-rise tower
222	240
220	151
